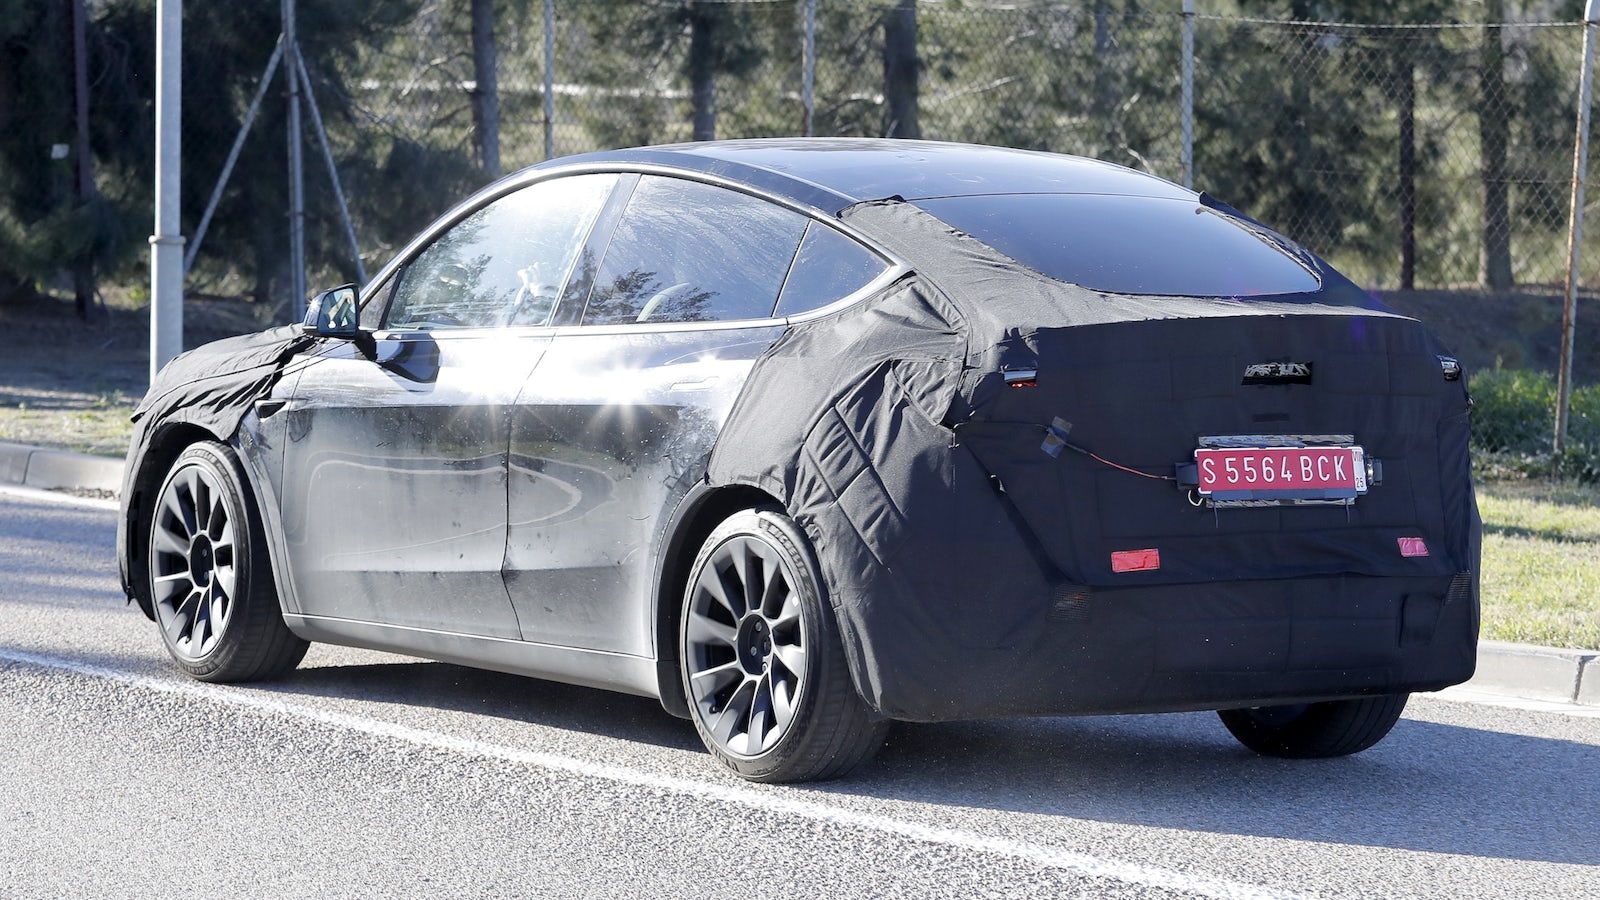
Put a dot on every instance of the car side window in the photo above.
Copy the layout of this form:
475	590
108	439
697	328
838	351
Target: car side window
503	265
828	267
690	252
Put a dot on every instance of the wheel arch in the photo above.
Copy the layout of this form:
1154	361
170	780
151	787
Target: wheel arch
700	512
162	450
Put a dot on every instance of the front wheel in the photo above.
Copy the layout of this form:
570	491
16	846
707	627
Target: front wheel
768	687
1315	730
211	584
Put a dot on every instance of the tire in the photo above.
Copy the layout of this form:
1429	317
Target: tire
763	669
1315	730
211	585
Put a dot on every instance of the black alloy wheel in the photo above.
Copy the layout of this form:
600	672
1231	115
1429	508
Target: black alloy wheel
768	686
211	584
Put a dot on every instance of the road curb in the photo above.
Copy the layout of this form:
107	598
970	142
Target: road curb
58	469
1538	673
1516	670
14	463
1589	683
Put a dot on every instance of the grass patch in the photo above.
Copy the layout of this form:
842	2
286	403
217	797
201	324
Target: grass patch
94	423
1541	563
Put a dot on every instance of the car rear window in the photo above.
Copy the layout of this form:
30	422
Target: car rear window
1130	245
828	267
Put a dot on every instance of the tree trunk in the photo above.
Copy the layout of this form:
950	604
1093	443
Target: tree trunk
703	71
1494	261
83	286
900	67
486	92
1405	77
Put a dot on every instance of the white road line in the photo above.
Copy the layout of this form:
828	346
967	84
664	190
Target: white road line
766	801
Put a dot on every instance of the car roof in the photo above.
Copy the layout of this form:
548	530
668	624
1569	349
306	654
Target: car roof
830	174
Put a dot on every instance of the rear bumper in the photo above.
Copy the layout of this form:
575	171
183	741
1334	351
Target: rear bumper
1169	648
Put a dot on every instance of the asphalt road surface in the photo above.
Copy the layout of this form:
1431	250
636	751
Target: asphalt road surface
366	774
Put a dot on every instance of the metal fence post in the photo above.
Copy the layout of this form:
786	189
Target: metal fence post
333	170
166	245
808	68
1580	172
549	78
1186	115
233	157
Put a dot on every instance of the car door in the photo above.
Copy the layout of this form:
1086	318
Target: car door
394	506
621	413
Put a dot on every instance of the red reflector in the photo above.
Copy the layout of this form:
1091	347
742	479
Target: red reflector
1413	547
1022	384
1135	560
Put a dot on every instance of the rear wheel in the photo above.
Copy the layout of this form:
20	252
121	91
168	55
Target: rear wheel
768	687
1315	730
211	584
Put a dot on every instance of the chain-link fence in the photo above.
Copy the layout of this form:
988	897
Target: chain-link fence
1429	156
1412	156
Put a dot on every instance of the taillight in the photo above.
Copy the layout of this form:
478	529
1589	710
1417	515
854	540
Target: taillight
1021	378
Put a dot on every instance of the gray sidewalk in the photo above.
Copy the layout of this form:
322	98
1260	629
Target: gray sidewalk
1513	670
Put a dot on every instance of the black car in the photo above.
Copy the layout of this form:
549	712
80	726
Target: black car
805	436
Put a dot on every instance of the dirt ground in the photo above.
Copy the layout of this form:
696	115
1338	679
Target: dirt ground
71	385
68	384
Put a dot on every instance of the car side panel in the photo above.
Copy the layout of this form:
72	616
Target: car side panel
610	432
393	499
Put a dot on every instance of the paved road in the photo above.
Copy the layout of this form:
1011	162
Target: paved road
366	774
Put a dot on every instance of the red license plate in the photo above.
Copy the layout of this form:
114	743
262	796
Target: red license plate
1267	472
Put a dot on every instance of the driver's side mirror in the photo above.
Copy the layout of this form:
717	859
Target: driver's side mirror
334	313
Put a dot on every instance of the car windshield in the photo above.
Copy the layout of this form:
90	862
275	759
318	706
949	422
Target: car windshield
1130	245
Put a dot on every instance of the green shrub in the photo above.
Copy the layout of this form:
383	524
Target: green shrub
1513	419
1583	418
1514	410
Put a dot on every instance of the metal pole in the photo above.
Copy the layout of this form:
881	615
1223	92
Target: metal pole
1580	170
549	78
1186	115
166	245
808	69
333	170
297	186
233	157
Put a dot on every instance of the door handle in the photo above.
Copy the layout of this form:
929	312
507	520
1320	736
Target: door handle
267	407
